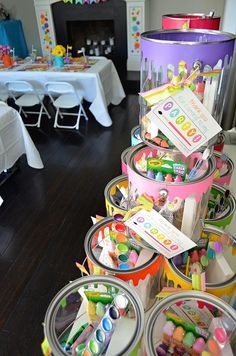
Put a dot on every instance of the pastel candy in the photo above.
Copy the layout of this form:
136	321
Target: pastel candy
220	335
178	179
206	353
169	328
133	257
189	339
213	347
194	256
159	177
204	261
178	334
202	252
199	345
184	257
218	247
211	254
150	174
161	350
196	268
100	309
177	260
168	178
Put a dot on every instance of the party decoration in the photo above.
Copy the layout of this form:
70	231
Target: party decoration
45	28
136	13
83	2
58	51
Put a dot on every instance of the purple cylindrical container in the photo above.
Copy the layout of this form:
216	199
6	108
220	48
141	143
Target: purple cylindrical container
170	56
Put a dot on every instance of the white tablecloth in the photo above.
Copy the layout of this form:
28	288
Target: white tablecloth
99	84
15	140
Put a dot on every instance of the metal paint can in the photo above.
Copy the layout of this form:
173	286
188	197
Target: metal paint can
123	160
144	276
220	196
197	308
68	314
174	277
112	206
183	203
225	166
168	57
185	21
135	135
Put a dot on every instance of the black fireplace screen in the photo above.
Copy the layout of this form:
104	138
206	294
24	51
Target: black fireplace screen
97	37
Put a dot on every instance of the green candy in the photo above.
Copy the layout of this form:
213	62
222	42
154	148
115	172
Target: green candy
189	339
204	261
100	309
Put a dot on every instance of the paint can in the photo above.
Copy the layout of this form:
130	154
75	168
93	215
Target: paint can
114	201
221	207
221	266
185	21
135	135
168	57
123	160
183	203
196	313
143	274
225	167
219	146
96	311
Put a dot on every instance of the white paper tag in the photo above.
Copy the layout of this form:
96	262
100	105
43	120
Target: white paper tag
1	201
185	121
159	233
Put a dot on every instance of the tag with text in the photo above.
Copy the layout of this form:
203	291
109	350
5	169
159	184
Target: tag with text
159	233
185	121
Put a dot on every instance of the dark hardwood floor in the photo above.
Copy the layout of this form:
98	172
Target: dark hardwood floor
45	216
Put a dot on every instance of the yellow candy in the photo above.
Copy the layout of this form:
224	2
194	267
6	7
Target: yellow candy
206	353
91	311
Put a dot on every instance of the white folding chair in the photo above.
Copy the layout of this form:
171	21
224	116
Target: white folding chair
64	96
4	95
25	95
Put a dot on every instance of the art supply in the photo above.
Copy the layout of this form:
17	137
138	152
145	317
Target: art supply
213	256
181	324
67	325
178	202
130	262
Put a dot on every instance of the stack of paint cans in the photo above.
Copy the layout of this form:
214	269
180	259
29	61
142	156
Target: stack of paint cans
103	314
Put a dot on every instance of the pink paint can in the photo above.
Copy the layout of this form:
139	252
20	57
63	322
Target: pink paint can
226	167
123	160
183	203
185	21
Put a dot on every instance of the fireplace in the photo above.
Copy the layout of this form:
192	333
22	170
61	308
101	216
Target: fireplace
110	28
100	28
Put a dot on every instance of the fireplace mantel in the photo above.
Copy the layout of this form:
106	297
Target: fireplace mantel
137	18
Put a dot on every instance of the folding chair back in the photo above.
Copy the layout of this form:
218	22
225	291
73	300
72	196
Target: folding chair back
19	87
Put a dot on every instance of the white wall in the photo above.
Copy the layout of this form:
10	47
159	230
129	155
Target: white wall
24	10
162	7
229	20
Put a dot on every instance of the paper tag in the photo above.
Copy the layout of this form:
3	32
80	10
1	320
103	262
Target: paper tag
185	121
1	201
159	233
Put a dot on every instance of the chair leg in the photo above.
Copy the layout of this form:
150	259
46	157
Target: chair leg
39	117
78	118
56	118
84	113
48	115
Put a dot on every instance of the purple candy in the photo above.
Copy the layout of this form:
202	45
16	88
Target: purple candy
177	260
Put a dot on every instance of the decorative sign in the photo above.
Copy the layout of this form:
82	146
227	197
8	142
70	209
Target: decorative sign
45	28
159	233
135	30
82	2
185	121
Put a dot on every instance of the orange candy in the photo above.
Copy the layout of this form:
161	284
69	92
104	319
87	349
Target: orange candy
213	347
178	334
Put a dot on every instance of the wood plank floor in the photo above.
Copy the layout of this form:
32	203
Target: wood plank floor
45	216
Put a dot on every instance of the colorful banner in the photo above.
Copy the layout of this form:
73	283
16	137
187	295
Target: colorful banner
82	2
